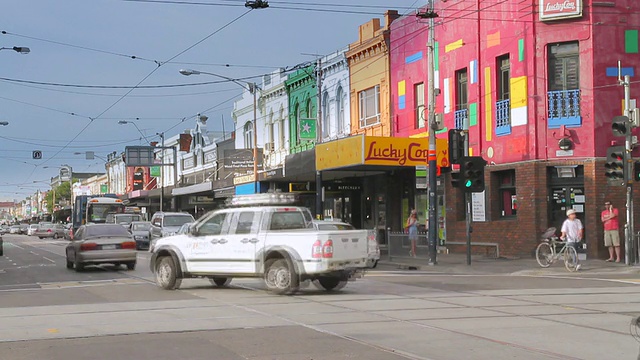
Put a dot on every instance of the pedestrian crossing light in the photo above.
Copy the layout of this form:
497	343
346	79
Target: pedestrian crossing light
614	167
472	174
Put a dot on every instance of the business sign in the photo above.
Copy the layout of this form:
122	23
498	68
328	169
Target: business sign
377	150
478	207
138	179
155	171
243	179
271	174
240	161
560	9
104	188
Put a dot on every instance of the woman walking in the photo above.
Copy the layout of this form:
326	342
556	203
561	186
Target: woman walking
412	226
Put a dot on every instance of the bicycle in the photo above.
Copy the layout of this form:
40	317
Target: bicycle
546	251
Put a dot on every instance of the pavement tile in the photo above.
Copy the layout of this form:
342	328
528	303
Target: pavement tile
581	299
572	291
535	310
337	318
611	322
483	301
425	314
629	308
393	304
297	308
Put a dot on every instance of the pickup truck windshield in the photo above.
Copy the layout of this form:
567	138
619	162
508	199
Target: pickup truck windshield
287	220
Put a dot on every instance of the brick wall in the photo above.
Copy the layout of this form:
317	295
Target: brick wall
519	235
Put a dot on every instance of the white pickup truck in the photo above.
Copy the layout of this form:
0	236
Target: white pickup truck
277	243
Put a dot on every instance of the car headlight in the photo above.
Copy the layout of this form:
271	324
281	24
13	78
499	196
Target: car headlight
138	237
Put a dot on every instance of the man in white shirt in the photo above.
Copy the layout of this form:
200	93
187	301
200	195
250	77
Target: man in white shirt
572	231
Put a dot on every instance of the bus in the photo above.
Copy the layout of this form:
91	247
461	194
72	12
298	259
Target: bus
95	209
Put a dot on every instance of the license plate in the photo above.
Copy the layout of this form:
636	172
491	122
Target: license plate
108	247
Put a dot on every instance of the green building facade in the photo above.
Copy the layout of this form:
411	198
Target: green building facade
303	99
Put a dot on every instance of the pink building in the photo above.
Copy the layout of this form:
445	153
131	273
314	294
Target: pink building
537	83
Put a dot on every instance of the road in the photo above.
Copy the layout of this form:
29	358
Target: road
49	312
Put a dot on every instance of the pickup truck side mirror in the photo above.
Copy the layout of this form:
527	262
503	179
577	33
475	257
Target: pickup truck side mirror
193	230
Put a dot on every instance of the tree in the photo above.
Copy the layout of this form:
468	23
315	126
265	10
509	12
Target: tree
61	192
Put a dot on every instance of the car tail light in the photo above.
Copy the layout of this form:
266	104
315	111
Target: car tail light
316	250
88	246
49	230
131	245
327	249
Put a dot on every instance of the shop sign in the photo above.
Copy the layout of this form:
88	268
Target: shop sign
138	179
243	179
377	150
271	174
197	200
155	171
240	160
402	151
343	187
560	9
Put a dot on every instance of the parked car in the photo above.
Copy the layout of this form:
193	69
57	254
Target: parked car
374	248
24	228
14	229
95	244
32	229
55	231
4	229
68	231
168	223
140	232
184	229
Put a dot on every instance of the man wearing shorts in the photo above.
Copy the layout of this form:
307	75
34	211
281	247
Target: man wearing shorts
609	218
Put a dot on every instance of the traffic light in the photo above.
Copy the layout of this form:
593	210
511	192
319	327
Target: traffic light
614	167
456	145
636	171
472	173
621	126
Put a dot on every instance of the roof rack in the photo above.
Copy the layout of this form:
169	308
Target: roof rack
265	199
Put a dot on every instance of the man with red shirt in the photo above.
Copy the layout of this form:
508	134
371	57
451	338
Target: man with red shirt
609	218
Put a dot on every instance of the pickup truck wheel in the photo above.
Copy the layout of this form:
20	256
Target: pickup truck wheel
167	274
280	278
78	265
220	282
332	283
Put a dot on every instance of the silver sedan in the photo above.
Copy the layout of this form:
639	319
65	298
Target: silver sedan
95	244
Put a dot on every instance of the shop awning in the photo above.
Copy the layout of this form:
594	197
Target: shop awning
301	165
361	150
193	189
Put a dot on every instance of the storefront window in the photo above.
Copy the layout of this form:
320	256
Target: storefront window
507	193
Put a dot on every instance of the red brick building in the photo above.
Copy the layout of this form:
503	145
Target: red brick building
537	82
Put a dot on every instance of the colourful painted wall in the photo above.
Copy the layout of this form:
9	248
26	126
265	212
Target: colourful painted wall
303	101
476	40
368	60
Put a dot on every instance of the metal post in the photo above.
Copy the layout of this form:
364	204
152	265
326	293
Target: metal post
467	196
630	253
174	199
319	186
432	159
254	89
162	174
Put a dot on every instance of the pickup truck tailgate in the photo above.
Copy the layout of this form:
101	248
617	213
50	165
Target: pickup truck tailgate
348	245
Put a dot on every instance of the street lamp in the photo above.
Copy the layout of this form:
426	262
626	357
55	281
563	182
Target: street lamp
253	89
124	122
18	49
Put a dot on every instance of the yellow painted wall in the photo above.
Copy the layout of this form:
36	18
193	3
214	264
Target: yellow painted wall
369	66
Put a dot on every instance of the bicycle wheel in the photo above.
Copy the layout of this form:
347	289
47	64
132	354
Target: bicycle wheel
544	254
571	258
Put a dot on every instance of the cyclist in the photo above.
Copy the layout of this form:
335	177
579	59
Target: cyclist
572	231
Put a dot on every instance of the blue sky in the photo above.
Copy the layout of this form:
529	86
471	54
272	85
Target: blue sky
47	118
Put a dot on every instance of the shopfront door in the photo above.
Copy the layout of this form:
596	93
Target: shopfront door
563	198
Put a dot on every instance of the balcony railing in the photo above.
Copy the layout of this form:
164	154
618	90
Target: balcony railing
503	117
461	116
564	108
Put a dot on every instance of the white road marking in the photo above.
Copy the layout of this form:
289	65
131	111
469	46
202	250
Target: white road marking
46	258
12	244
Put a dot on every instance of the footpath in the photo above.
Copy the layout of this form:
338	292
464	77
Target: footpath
481	265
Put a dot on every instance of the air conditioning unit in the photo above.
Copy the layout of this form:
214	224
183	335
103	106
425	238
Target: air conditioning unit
269	147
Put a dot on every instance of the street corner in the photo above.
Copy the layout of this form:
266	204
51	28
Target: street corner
592	268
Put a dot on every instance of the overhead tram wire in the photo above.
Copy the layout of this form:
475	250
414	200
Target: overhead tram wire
140	83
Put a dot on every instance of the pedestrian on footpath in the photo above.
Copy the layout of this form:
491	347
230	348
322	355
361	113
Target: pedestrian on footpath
572	231
609	219
412	227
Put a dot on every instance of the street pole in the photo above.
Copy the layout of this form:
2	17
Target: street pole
253	87
432	157
319	186
162	173
630	254
174	199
